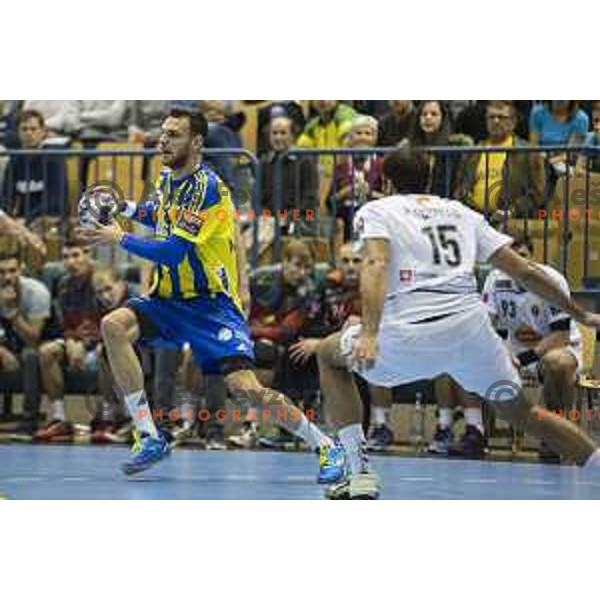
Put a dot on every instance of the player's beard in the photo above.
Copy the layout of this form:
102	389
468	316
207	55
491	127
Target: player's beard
178	161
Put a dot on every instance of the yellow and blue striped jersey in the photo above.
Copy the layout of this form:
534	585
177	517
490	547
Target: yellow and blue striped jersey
199	209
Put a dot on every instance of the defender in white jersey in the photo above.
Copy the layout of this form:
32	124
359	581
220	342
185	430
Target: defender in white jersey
544	340
423	317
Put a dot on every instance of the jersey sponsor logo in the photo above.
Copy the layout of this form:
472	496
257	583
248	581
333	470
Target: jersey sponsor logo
190	223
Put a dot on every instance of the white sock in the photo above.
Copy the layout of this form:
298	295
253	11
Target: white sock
593	461
139	409
353	440
445	418
58	410
381	416
310	433
473	417
187	412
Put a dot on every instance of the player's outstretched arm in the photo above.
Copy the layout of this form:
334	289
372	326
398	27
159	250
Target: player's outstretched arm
534	279
170	252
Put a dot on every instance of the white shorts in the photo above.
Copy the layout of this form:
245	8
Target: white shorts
464	346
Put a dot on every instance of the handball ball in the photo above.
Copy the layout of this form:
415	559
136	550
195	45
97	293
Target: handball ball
97	207
103	207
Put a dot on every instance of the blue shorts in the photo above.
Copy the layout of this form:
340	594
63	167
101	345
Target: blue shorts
213	327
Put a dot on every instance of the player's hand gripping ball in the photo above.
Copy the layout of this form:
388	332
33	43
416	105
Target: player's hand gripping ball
98	205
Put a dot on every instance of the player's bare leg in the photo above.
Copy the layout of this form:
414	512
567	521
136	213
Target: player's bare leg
120	330
562	436
344	408
445	396
276	408
559	367
380	436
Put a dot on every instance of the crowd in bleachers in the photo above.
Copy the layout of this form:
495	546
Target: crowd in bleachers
51	302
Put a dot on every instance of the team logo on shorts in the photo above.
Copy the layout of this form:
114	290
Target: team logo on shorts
224	334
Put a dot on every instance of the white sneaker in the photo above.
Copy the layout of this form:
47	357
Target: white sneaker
364	486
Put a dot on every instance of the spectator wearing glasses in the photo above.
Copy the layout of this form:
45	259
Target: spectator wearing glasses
492	178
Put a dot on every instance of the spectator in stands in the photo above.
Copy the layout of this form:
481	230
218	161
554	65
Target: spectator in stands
356	179
103	120
24	309
277	316
557	122
35	186
327	130
61	116
299	179
396	124
145	119
373	108
9	112
515	178
76	349
591	159
221	135
280	108
432	127
470	119
333	301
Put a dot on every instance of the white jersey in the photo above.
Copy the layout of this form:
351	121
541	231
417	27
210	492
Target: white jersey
435	244
526	317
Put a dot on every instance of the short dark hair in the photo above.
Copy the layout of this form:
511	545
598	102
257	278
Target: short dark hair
25	115
299	249
503	104
72	240
407	170
198	123
10	254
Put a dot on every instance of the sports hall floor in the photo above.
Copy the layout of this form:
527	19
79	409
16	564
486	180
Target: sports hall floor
92	472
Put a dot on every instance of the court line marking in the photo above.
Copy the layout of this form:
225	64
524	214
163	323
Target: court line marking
415	478
480	481
538	482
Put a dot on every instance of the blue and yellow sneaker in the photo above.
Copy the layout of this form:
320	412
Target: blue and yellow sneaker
151	450
332	462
